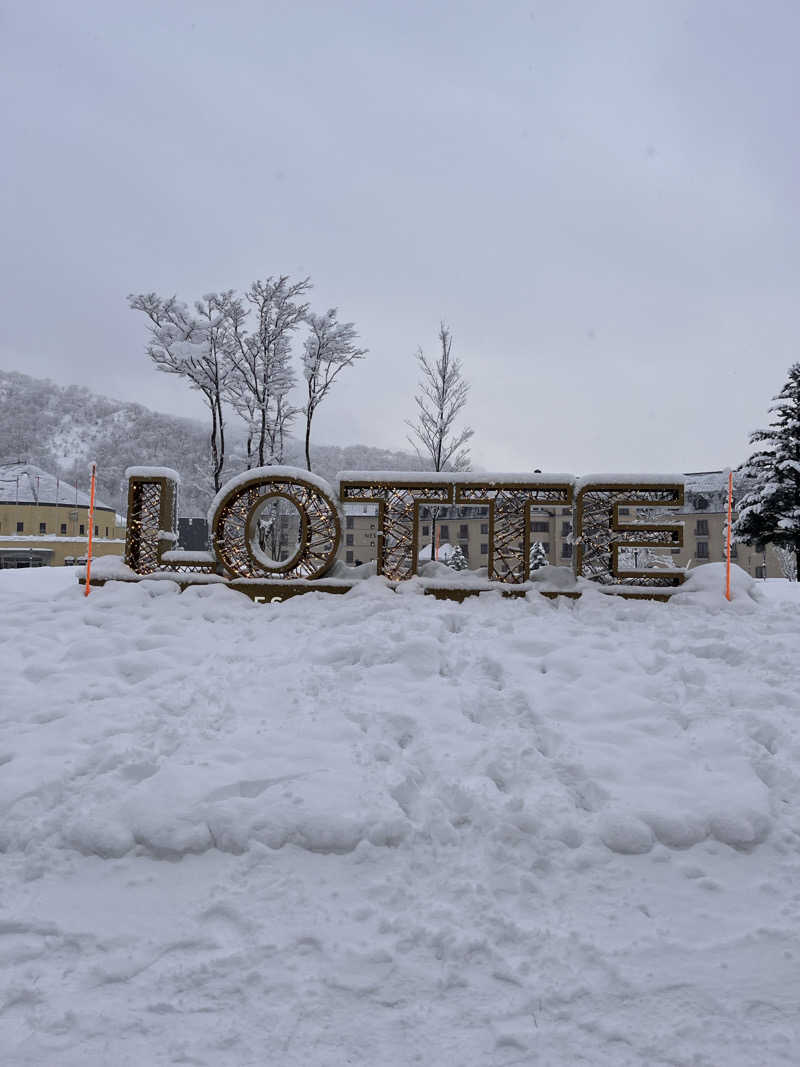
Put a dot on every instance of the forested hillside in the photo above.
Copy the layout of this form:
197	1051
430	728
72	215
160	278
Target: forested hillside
63	428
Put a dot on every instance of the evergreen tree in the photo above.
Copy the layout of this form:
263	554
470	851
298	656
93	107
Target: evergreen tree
457	560
538	557
769	512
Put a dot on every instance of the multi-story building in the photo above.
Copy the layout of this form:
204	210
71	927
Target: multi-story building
704	516
45	521
360	534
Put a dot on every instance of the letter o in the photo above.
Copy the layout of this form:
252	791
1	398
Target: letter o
235	505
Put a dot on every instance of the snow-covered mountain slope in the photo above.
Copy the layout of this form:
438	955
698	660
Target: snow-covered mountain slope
63	428
383	829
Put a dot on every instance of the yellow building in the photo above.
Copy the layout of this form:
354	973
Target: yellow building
44	521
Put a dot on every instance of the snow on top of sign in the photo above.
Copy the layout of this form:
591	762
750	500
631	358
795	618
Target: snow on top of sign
587	480
289	473
153	472
454	477
28	484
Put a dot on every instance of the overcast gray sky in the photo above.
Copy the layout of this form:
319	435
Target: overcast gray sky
599	197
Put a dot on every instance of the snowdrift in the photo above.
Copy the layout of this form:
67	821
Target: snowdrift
379	828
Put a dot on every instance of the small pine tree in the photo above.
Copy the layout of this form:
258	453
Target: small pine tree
769	512
538	557
457	560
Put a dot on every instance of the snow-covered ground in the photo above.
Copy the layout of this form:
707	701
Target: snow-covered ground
382	829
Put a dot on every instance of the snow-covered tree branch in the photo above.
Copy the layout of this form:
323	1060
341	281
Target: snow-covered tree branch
262	358
329	348
196	345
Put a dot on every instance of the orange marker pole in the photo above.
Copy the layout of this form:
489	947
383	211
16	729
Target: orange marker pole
91	531
728	545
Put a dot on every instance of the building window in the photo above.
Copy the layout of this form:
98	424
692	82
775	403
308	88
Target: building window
426	531
624	511
463	531
734	552
97	531
106	531
566	511
445	532
484	527
348	558
82	530
20	527
702	549
464	546
349	521
349	540
540	527
546	546
566	550
566	529
42	527
63	527
701	529
484	548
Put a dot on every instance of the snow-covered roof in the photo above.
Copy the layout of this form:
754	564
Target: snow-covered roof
709	481
25	483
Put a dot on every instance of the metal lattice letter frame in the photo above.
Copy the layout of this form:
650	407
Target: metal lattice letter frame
398	519
600	534
320	529
510	521
152	511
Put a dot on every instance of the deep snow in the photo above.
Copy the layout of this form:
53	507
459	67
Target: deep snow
383	829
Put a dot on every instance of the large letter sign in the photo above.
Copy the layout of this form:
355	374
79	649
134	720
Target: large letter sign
283	525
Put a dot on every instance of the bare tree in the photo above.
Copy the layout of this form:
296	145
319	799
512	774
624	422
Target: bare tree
329	348
262	360
197	346
442	395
